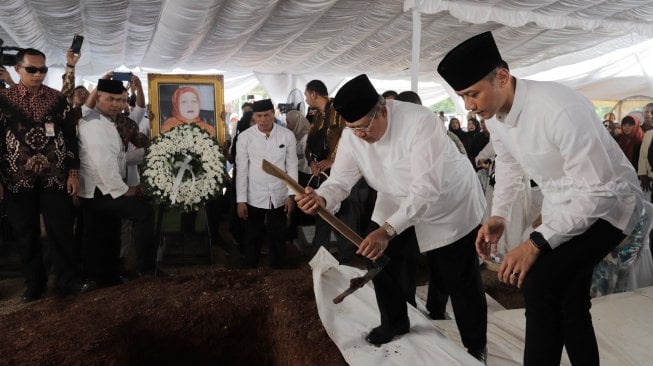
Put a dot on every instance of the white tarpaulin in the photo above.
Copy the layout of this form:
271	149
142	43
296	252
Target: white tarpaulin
623	324
349	322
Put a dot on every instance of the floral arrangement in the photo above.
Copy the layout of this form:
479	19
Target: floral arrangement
184	168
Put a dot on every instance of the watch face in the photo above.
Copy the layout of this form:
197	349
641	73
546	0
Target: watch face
389	229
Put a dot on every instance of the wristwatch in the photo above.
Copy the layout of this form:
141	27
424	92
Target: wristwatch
539	242
389	230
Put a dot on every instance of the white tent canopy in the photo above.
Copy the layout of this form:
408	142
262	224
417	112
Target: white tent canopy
284	43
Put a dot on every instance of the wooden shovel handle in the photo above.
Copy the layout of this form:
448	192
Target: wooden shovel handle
335	222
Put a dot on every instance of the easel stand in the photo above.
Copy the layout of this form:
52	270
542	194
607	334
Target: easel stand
184	238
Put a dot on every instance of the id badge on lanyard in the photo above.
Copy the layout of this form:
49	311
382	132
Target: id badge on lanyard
49	129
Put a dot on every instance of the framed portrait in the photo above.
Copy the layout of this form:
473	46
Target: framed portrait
178	99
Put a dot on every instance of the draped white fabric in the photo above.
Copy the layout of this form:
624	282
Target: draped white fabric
293	40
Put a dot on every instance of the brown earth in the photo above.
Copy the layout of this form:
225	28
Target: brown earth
204	315
239	317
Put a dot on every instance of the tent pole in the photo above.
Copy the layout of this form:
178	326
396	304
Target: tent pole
417	35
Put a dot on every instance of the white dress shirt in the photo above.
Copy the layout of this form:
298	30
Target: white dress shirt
421	178
553	133
102	159
253	185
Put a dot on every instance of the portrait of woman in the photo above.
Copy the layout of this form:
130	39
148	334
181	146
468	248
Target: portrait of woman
186	109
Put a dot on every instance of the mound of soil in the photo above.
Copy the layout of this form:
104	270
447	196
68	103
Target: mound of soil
226	316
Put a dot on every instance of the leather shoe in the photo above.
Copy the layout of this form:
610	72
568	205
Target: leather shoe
31	294
480	354
384	334
76	287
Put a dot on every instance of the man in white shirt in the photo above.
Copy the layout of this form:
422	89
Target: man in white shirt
591	194
426	189
106	196
263	201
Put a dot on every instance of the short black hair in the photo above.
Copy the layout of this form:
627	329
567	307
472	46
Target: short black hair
389	93
247	104
318	87
28	51
409	96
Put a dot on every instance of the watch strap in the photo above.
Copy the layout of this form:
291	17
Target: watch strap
539	242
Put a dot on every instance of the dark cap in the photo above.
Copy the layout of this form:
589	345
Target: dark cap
110	86
470	61
263	105
356	98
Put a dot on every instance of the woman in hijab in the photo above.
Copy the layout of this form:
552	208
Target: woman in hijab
186	109
244	123
454	127
300	126
474	140
630	139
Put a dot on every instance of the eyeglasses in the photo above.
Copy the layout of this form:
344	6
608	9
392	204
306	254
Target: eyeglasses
365	129
34	70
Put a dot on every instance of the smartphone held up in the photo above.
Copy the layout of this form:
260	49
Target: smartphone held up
76	46
122	76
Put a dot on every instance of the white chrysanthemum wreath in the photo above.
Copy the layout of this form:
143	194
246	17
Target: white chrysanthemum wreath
184	168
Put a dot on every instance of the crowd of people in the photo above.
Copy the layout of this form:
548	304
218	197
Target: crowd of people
72	157
535	183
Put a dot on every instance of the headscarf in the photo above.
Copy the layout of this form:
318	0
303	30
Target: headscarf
301	124
628	143
176	96
244	123
457	131
177	118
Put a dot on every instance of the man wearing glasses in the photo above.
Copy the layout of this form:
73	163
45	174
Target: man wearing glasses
39	166
426	189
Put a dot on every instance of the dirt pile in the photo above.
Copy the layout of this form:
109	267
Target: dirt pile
228	317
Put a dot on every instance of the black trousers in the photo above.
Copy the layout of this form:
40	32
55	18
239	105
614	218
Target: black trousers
556	293
349	213
23	210
395	284
102	225
455	268
260	222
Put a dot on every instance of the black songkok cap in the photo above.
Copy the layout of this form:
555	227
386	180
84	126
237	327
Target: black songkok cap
470	61
263	105
110	86
356	98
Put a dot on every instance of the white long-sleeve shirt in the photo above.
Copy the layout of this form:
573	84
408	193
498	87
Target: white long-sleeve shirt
102	159
253	185
554	135
421	178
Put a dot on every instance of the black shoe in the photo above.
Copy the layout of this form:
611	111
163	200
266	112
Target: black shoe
80	287
480	354
31	294
384	334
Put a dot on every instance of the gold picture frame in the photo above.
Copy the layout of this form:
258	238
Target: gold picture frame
209	89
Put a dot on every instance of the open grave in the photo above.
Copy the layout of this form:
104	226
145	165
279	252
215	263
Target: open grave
229	317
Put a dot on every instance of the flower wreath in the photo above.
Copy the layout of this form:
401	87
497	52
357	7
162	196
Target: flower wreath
184	168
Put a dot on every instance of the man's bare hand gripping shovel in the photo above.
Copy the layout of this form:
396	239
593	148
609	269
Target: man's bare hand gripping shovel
344	230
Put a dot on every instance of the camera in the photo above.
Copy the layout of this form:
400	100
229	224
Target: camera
122	76
285	107
7	59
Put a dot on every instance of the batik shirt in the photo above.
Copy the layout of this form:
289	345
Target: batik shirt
38	143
